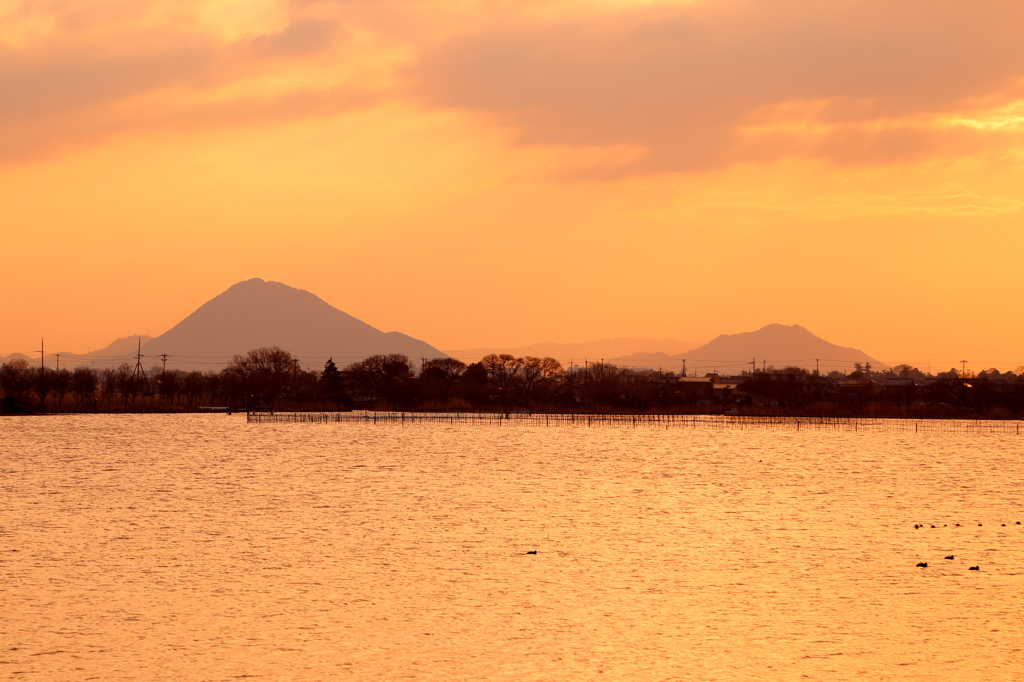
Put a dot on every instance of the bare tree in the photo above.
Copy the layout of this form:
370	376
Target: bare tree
84	383
382	377
15	381
61	386
15	378
534	373
108	385
42	385
602	383
263	373
125	384
444	372
193	385
212	386
170	385
503	372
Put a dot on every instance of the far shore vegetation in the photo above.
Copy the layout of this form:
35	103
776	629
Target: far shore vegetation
270	378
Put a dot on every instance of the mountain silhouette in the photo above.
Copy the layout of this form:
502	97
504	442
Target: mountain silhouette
255	313
778	345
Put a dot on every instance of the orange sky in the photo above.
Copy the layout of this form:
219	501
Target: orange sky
498	172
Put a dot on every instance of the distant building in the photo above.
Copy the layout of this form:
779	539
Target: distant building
711	377
707	386
901	382
726	388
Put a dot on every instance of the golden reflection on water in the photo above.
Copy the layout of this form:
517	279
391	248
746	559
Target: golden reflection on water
202	548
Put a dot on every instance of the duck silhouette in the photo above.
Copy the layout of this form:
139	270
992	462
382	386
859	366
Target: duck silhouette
974	568
923	564
951	557
532	551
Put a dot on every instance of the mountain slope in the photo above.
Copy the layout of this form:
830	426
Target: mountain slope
126	346
256	313
774	344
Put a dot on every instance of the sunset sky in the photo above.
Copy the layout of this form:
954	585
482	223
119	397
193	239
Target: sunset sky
499	173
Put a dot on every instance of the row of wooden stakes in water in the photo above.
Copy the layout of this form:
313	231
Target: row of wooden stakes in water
644	420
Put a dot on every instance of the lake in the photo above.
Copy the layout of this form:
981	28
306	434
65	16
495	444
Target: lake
201	547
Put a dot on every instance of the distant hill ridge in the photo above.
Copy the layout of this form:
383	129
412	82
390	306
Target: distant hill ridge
777	345
120	351
577	352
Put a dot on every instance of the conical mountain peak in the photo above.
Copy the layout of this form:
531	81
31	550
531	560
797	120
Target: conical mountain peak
255	313
775	344
779	345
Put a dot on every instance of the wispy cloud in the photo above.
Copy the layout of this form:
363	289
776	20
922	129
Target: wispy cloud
82	76
679	85
684	81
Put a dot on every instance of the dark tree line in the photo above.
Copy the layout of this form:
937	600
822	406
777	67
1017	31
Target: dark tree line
26	389
903	391
271	378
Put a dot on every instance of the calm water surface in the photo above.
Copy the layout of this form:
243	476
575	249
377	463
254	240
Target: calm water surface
203	548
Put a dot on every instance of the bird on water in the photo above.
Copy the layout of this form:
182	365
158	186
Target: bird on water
923	564
951	557
974	568
532	551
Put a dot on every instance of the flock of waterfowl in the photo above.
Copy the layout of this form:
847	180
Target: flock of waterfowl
924	564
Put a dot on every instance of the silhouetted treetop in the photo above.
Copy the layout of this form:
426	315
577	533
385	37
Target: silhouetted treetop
265	371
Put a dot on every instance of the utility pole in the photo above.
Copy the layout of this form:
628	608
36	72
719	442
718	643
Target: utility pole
753	366
963	369
163	357
138	372
58	361
42	353
816	361
684	367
